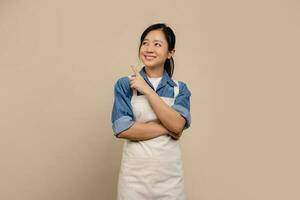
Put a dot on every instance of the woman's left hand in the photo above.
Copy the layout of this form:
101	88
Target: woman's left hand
137	82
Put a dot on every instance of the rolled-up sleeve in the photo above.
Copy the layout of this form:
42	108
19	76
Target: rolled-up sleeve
122	116
182	103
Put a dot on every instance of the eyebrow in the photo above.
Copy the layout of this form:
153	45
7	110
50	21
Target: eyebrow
154	40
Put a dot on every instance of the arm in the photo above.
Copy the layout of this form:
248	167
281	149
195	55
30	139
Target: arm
175	118
169	117
180	108
144	131
123	123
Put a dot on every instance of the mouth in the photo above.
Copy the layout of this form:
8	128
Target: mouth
149	58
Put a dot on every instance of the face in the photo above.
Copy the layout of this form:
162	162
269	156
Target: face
154	49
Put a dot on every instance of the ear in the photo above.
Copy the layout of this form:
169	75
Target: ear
171	53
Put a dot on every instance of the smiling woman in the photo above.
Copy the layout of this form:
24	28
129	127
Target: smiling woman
150	112
157	46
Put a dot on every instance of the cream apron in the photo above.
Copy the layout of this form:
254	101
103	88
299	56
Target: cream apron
151	169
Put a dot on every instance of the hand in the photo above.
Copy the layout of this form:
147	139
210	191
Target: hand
137	82
175	136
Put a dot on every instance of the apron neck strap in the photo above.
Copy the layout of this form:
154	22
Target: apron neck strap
176	89
134	92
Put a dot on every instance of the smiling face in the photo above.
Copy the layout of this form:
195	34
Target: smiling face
154	49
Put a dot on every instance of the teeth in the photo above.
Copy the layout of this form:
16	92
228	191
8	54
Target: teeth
149	57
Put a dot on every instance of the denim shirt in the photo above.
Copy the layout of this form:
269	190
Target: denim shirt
122	116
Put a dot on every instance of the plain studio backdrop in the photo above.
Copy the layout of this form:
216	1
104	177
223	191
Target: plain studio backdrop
59	60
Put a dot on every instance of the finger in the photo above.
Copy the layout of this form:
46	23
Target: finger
135	70
131	83
131	78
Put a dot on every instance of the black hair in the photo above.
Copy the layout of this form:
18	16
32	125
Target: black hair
170	37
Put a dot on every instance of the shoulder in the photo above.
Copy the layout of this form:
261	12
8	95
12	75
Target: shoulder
183	87
123	84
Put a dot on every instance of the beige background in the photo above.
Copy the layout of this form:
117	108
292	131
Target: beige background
59	60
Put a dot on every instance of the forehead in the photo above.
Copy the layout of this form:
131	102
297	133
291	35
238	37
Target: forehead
155	35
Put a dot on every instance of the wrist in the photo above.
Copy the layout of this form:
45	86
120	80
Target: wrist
148	91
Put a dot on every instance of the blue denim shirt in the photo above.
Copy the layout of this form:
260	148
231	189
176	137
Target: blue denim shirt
122	116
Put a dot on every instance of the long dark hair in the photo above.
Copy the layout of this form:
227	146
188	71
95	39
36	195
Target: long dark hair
170	37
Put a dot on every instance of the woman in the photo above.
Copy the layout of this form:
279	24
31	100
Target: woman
150	112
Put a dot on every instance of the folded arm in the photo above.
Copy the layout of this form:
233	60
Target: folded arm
145	131
168	116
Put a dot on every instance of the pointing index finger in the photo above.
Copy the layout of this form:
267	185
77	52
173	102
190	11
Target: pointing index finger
135	71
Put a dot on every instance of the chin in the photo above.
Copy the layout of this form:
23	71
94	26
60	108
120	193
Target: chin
150	64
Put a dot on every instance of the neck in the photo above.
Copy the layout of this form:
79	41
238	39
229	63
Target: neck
154	72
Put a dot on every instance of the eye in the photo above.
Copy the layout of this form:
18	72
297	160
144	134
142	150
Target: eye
143	43
157	44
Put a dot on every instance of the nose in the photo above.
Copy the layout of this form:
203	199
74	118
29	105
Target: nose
149	48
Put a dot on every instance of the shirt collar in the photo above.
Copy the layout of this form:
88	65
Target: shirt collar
165	78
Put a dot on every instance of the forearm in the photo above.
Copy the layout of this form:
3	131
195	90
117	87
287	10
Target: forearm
169	117
144	131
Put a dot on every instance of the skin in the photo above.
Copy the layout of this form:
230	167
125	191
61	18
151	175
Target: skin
153	53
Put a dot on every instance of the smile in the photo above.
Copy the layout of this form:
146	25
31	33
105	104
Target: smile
147	57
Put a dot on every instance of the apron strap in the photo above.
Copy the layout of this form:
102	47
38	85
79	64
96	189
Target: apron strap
176	89
134	92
